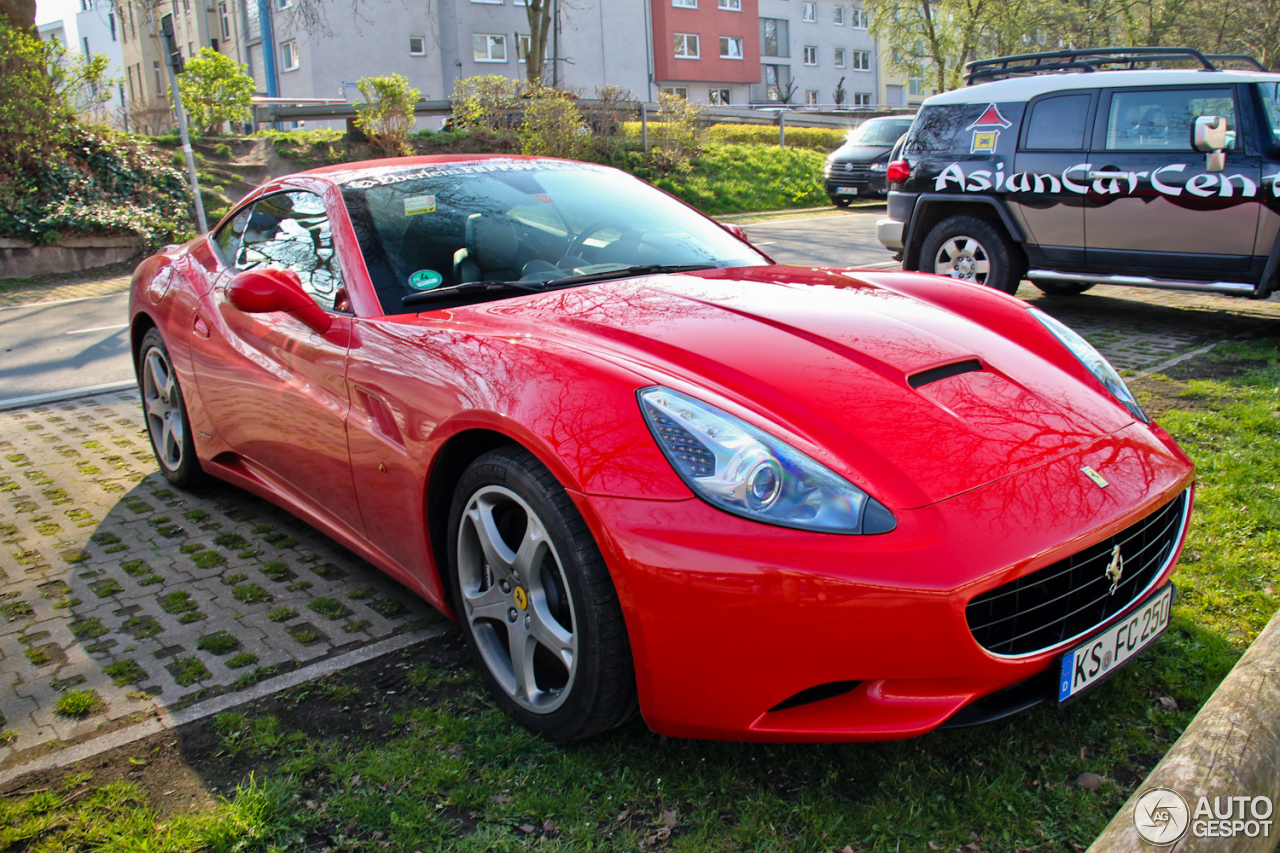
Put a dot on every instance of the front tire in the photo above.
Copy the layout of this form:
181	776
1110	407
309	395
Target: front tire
972	249
168	426
840	200
535	601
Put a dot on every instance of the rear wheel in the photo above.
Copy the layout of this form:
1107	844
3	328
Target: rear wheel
972	249
1061	288
167	424
535	601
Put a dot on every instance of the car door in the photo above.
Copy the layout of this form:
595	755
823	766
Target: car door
1152	204
274	388
1046	188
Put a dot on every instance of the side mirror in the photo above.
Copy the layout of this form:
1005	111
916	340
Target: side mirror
1210	136
736	230
263	291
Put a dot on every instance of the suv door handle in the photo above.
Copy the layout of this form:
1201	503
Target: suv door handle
1104	176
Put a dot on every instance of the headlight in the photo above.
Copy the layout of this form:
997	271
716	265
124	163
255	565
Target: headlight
743	470
1093	360
880	166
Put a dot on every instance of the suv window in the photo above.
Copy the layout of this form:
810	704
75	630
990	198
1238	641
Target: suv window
1162	119
1058	123
291	230
935	129
1271	100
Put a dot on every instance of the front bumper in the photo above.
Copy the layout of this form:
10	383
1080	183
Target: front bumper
729	618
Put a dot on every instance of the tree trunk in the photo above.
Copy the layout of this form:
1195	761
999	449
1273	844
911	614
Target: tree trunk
539	14
20	13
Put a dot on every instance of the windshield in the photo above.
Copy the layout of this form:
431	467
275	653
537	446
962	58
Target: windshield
1271	100
878	132
436	226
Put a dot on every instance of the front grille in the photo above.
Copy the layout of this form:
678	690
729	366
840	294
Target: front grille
1073	596
859	177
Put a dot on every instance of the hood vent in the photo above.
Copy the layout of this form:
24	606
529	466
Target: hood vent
933	374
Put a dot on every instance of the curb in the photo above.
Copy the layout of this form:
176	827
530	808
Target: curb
166	720
61	396
1231	749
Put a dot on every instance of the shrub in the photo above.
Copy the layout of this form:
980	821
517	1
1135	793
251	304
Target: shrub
487	105
33	113
679	136
552	125
386	115
614	107
215	90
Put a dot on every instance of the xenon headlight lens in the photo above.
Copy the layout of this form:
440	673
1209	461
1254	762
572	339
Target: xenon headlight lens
743	470
1094	361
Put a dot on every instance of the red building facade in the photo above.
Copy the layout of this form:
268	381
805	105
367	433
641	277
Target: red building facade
706	42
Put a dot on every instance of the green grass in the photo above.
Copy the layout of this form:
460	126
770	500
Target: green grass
187	671
77	704
412	767
329	608
125	671
730	178
218	643
251	593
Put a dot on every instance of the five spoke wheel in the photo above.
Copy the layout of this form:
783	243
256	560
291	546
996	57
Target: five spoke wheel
166	413
516	600
963	258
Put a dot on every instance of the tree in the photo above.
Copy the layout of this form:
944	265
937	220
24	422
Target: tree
19	13
386	115
215	90
539	14
839	94
34	114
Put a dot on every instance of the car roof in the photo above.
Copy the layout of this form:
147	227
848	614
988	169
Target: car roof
1025	88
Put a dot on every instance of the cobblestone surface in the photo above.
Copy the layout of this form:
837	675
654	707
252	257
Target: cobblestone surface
72	286
113	582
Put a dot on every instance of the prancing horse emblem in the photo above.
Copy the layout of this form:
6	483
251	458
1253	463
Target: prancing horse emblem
1115	570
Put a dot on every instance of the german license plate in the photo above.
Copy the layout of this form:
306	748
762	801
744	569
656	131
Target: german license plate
846	190
1102	654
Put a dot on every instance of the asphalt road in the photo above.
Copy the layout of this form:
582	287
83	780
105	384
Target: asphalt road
60	346
845	239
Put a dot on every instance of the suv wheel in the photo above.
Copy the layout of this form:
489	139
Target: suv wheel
1062	288
971	249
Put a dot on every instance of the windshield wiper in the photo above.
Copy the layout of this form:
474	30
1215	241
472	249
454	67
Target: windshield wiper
426	296
625	272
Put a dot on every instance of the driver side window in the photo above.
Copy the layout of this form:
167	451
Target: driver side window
291	231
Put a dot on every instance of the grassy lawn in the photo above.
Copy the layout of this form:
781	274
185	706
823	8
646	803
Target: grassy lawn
407	754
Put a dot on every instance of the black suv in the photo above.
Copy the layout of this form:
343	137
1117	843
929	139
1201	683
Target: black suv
1080	167
857	168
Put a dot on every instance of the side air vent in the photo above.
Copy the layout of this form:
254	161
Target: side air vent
830	690
933	374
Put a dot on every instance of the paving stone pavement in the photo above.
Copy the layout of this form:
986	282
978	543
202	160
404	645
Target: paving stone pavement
113	582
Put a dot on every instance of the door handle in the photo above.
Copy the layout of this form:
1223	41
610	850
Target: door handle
1105	176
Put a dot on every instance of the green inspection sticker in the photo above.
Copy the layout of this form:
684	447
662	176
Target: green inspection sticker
425	280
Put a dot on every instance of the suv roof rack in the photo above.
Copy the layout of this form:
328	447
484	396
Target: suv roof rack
1243	58
1093	59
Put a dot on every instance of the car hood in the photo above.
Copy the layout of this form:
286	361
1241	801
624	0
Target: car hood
861	154
860	374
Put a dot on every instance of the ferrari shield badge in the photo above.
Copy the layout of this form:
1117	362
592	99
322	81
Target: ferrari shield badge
986	130
1097	478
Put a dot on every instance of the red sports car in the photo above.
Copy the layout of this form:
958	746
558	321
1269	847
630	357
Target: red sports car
643	466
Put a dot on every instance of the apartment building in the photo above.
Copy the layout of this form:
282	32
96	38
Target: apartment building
734	52
98	34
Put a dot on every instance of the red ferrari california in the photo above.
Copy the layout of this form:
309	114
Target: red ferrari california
646	468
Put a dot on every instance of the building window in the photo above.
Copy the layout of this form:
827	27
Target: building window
288	55
809	13
839	57
519	3
225	15
417	46
522	48
490	2
838	16
155	67
915	86
731	5
283	4
685	4
811	97
489	47
862	60
775	38
133	28
719	97
186	6
687	46
111	22
730	47
810	54
859	18
678	91
862	99
776	78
